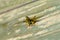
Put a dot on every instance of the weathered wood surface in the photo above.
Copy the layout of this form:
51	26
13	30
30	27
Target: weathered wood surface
48	27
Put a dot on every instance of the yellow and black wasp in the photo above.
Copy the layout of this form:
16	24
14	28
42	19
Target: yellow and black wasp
30	20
